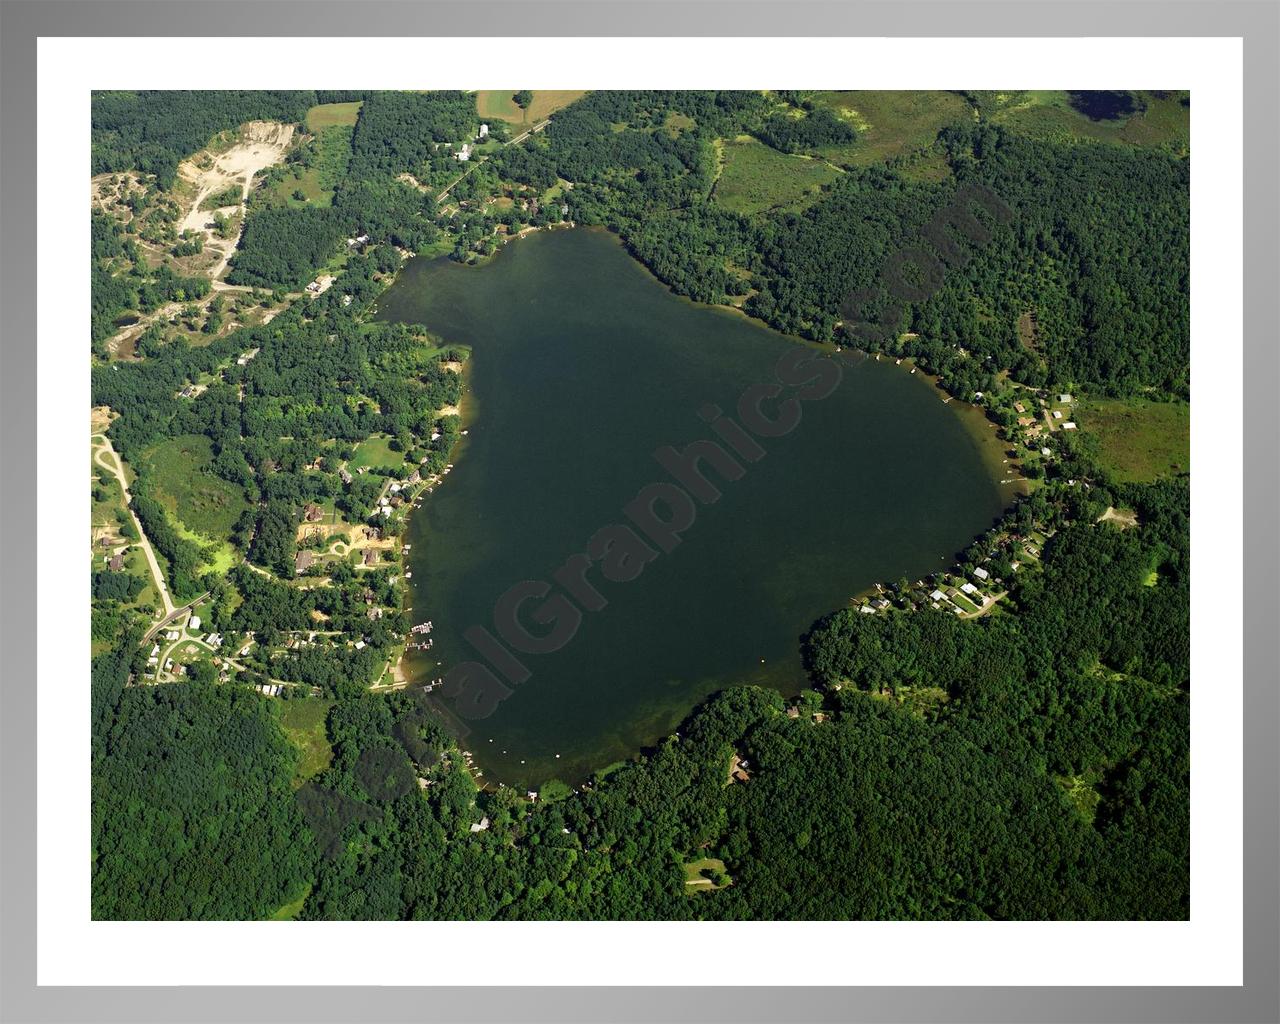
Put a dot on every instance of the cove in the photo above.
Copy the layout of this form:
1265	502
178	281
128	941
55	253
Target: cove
582	366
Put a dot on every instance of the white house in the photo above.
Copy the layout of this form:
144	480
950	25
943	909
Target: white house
484	132
464	154
982	573
194	623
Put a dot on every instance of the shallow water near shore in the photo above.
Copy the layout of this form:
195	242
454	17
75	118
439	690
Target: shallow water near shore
582	366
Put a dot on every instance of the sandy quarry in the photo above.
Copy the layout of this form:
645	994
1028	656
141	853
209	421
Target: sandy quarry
262	143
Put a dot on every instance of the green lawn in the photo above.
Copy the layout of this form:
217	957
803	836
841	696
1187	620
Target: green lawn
892	123
1138	440
330	115
375	452
104	512
696	881
756	177
206	505
303	721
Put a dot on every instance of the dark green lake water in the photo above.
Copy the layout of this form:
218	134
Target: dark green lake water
582	366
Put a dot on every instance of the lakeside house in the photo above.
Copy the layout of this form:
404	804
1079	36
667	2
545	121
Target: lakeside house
982	573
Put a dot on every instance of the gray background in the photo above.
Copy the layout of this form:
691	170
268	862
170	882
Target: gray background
21	23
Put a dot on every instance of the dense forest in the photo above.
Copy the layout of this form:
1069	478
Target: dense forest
1098	243
193	814
1029	764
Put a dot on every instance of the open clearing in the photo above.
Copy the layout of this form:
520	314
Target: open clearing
496	104
332	115
303	721
375	452
1139	440
892	124
1048	114
696	881
206	505
756	177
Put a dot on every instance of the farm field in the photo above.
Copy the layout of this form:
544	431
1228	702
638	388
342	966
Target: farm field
497	104
756	177
1139	440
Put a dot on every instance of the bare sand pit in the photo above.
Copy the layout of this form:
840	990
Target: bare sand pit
261	144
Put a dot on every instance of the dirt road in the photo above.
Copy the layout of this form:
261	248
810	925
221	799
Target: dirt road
105	456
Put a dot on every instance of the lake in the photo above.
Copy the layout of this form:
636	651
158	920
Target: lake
582	366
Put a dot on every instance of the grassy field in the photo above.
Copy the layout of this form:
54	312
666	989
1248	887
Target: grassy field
892	123
293	908
303	721
317	182
696	881
330	115
497	105
1048	114
1139	440
376	452
756	177
206	505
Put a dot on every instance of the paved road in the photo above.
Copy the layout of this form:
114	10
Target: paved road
115	466
177	613
510	142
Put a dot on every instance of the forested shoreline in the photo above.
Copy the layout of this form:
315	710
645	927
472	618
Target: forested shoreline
1029	764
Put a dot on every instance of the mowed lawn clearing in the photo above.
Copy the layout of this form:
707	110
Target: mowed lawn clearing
1139	440
332	115
376	453
206	505
303	721
497	104
756	177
